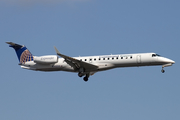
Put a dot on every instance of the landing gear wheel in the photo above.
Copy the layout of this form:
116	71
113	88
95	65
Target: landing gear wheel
80	74
162	71
85	79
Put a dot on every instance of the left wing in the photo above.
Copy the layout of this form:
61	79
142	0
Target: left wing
75	63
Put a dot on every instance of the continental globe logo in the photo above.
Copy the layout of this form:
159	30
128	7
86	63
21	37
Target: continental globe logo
26	56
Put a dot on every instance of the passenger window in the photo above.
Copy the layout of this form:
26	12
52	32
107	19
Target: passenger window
94	59
117	58
121	57
99	58
112	58
85	60
90	59
103	58
108	58
131	57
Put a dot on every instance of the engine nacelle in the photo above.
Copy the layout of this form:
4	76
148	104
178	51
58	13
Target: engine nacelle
49	59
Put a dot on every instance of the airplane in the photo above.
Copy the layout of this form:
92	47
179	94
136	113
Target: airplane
87	65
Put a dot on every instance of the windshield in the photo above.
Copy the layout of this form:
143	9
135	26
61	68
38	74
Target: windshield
157	55
154	55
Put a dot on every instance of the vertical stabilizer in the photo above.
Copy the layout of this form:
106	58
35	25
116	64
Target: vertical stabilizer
22	52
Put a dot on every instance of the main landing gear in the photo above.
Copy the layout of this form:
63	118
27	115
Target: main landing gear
80	74
85	78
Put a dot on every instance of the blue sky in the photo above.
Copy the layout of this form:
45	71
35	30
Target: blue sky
90	27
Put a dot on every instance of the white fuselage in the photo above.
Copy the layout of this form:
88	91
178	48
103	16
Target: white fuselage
104	62
85	66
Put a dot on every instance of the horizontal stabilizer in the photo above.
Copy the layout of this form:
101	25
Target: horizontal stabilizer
14	44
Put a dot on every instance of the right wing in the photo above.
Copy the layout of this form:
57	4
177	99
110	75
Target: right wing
75	63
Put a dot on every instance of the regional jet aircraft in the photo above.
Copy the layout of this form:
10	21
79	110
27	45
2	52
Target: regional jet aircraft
88	65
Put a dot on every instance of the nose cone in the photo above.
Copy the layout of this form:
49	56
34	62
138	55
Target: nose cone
166	60
172	61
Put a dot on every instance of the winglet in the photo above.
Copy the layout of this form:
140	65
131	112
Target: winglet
56	50
58	53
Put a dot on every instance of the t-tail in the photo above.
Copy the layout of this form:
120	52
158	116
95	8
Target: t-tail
23	54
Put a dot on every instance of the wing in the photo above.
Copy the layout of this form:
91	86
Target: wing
77	64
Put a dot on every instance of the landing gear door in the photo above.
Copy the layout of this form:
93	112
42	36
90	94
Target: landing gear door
138	59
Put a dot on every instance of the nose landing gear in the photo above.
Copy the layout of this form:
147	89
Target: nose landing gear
162	70
166	65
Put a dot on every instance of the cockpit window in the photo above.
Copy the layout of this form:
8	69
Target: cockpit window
154	55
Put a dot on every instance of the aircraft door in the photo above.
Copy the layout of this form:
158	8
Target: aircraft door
138	59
